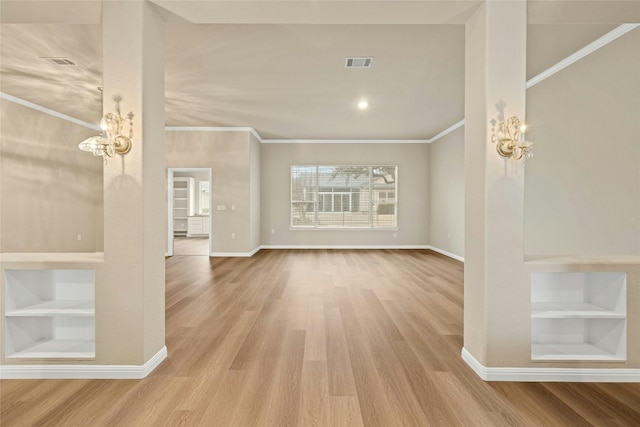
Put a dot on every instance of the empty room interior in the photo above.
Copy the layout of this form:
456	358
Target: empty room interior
320	213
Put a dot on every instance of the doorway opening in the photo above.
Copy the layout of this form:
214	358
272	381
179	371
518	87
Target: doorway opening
189	217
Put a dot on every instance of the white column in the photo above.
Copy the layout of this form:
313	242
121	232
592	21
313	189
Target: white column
130	294
496	293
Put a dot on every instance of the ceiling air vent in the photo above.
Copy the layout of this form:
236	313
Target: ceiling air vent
358	62
59	61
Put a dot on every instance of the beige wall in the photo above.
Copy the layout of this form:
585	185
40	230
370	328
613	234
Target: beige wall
446	190
130	287
228	156
582	188
496	289
413	192
255	151
51	191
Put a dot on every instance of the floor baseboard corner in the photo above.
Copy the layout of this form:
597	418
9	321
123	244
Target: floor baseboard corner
91	372
528	374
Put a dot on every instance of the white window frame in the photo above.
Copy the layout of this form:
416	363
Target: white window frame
316	204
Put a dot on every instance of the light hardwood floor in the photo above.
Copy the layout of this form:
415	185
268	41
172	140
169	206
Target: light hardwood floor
191	246
315	338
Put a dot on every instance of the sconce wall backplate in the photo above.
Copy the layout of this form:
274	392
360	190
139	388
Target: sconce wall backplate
122	144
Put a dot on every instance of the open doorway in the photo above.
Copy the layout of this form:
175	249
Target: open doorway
189	214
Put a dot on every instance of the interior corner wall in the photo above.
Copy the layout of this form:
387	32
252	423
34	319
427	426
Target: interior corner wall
413	192
51	191
254	189
446	182
228	156
582	187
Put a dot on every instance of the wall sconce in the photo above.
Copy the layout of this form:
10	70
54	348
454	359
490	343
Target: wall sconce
111	141
509	139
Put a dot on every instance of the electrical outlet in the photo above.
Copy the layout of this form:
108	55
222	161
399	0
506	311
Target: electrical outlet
273	231
79	237
395	235
449	235
233	235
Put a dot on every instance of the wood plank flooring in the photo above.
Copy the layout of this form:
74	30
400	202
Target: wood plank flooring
315	338
190	245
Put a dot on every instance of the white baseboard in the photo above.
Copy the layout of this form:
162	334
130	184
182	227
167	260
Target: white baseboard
337	247
445	253
236	254
134	372
348	247
580	375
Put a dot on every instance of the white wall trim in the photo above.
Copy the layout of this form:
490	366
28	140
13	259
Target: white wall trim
46	110
588	49
364	247
136	372
446	132
208	129
345	141
445	253
578	55
571	59
235	254
551	374
256	135
292	141
338	247
251	130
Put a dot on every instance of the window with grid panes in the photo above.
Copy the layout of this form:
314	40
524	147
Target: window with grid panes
328	197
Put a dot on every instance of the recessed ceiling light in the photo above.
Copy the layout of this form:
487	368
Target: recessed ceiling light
363	104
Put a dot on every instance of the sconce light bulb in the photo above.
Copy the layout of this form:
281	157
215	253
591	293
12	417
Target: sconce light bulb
523	128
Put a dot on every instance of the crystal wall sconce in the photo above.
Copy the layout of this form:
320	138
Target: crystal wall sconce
112	140
509	137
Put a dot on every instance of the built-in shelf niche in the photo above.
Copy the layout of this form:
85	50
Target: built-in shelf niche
578	316
183	203
49	313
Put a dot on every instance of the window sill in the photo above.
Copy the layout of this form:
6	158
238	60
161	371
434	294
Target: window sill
342	229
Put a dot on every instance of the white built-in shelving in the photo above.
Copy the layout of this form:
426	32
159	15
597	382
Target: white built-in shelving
578	316
183	203
49	313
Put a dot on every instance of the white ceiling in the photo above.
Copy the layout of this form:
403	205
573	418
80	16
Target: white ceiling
286	80
289	81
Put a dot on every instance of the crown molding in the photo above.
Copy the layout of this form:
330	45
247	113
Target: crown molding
346	141
571	59
446	132
251	130
46	110
578	55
